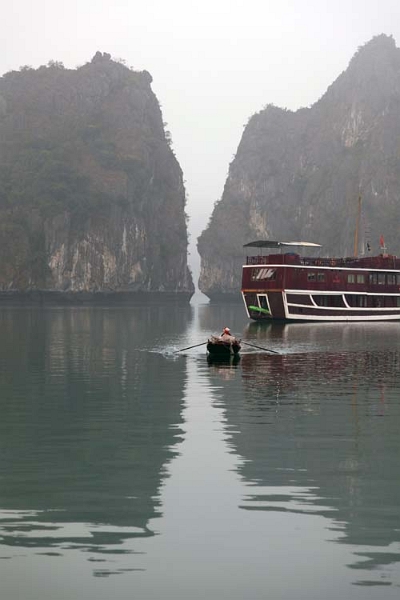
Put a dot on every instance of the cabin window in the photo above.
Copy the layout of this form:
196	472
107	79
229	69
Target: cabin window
336	301
360	278
392	278
398	300
321	277
329	301
381	278
321	300
373	278
356	300
351	278
311	276
299	299
264	273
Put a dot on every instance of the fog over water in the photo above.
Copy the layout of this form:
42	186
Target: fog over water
213	63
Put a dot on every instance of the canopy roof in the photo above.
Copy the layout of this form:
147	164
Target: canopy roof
272	244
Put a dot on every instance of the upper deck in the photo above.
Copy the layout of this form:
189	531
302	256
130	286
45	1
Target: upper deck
369	274
382	261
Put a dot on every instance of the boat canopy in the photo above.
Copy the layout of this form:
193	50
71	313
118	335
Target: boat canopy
272	244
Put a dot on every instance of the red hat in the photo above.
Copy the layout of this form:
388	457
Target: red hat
227	330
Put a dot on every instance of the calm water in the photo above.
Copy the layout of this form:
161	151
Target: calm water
131	472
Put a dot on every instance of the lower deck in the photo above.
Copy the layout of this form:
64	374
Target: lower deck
306	305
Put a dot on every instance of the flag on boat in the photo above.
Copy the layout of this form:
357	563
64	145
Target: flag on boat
381	242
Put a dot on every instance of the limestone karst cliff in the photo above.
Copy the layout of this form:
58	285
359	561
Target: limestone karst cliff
91	195
298	175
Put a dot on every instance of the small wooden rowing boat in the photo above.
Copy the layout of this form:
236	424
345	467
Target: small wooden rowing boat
219	348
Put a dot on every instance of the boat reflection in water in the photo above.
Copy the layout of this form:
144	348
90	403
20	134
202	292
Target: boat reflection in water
221	361
224	368
319	432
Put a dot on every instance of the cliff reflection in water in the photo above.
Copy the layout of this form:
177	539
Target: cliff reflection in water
322	428
86	429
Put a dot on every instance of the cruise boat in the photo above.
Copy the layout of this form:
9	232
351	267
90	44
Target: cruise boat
287	286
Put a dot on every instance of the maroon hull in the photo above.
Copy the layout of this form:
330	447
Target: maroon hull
276	305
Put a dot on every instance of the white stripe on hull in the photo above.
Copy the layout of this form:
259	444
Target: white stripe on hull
310	317
382	313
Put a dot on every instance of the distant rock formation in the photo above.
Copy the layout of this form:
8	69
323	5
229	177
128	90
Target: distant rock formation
298	175
92	198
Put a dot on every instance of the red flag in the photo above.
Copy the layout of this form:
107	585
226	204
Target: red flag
381	241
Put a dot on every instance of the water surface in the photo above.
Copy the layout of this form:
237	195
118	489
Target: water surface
132	471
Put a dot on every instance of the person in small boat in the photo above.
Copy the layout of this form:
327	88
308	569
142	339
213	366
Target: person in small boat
226	336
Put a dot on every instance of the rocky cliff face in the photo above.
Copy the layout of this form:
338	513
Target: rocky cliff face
298	175
91	195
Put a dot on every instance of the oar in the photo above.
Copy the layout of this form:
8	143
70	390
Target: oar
259	347
189	347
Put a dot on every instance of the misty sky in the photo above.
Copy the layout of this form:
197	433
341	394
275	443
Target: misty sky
214	62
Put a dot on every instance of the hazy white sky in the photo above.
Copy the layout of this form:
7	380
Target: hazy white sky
214	62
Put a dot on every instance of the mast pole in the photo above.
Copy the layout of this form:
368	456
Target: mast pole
357	227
